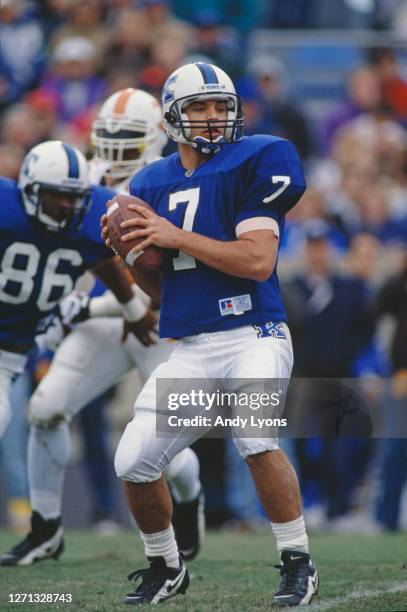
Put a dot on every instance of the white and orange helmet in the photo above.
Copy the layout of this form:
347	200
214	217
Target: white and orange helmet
127	134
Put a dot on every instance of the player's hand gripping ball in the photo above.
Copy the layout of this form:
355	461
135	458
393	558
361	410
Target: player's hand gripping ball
148	260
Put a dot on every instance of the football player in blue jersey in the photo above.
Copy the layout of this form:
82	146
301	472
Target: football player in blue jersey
48	237
92	357
220	204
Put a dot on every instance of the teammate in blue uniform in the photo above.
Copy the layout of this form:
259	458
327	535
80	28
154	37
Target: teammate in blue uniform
219	204
48	238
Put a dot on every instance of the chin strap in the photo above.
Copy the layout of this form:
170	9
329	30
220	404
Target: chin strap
205	146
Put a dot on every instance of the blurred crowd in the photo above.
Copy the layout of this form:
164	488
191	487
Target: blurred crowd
343	258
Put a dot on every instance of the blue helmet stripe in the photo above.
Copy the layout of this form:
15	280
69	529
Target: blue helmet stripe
73	163
208	73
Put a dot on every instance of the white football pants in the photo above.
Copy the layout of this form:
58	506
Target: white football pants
88	362
11	366
239	353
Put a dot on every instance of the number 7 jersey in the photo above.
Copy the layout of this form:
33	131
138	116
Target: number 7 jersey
247	185
36	268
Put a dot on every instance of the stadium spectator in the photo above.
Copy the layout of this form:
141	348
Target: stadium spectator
374	216
256	118
313	209
166	55
19	129
77	132
217	41
393	85
84	19
129	47
11	158
399	18
52	14
363	258
72	77
21	64
392	300
115	6
322	303
352	456
362	95
162	23
389	14
44	110
271	78
367	166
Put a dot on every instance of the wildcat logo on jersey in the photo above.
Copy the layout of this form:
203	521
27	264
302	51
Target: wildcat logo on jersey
270	330
236	305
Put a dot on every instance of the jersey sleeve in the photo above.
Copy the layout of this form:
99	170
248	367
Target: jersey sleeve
11	213
136	188
273	183
91	231
144	183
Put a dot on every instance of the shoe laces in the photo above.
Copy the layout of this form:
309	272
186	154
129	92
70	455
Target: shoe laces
293	575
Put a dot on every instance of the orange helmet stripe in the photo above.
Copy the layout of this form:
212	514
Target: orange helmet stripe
121	101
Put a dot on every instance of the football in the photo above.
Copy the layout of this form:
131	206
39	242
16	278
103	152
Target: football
152	257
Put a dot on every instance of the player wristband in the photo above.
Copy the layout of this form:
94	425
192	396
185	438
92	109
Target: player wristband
134	309
146	299
105	305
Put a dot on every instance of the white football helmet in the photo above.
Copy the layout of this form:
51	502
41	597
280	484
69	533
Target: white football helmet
127	134
200	81
50	170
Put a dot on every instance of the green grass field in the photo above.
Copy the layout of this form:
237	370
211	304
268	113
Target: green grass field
233	572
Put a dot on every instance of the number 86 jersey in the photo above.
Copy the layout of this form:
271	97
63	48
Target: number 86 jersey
248	185
37	268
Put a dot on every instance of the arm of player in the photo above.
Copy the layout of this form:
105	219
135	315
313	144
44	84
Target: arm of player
78	306
139	320
253	255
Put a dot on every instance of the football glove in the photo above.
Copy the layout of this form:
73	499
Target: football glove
74	308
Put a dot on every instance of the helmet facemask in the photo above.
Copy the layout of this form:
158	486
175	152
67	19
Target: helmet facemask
201	82
124	146
127	133
55	188
52	213
232	127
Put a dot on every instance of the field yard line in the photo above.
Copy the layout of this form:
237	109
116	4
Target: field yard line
395	587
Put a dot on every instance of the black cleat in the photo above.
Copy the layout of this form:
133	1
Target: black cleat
188	521
158	582
299	582
45	541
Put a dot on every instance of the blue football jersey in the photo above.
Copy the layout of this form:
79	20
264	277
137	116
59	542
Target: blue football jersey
37	268
259	176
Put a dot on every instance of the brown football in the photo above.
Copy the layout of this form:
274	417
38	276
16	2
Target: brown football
152	258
